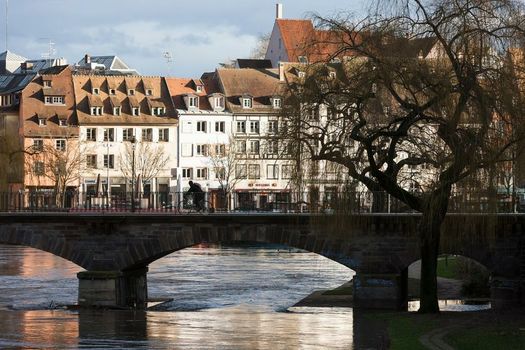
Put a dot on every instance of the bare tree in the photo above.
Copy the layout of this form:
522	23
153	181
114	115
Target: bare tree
224	160
143	159
426	94
59	163
259	50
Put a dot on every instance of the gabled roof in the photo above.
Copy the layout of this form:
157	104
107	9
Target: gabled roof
261	84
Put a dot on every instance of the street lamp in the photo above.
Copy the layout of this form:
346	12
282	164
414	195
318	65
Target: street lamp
133	145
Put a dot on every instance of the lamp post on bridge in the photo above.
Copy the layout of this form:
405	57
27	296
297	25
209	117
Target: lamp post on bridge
133	141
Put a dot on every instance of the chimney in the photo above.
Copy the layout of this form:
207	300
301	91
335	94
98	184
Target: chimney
278	11
281	71
87	59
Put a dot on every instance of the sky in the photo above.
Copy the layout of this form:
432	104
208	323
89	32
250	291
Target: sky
197	34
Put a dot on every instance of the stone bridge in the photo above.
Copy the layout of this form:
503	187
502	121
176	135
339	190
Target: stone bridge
116	249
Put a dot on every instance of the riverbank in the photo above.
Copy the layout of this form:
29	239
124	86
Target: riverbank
341	296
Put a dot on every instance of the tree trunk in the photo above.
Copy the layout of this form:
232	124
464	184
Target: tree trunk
429	236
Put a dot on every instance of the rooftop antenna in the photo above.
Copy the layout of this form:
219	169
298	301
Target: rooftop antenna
51	51
169	60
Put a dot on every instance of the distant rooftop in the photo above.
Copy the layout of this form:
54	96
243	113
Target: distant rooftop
253	63
107	64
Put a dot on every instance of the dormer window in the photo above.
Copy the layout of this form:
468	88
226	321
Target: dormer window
301	74
112	92
158	111
277	102
135	111
246	102
97	110
116	110
96	91
42	121
54	100
198	88
332	75
193	102
62	122
302	59
47	83
219	102
149	92
131	92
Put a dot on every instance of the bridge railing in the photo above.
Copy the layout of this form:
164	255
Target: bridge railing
242	201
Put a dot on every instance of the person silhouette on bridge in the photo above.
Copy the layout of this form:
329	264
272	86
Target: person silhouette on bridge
198	195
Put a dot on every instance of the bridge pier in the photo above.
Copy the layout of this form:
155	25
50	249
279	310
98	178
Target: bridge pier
380	291
506	293
117	289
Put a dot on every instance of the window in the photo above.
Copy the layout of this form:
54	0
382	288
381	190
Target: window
187	127
54	100
254	146
201	173
96	91
91	134
220	173
240	171
246	103
277	103
198	88
38	145
147	135
287	171
47	83
186	173
112	92
131	92
42	121
201	126
91	161
193	102
302	59
254	127
301	74
254	171
127	134
62	122
272	172
135	110
219	102
109	134
273	126
5	100
240	146
220	150
241	126
158	111
116	110
187	150
219	126
149	92
332	75
164	135
60	145
38	168
97	110
201	150
109	161
272	147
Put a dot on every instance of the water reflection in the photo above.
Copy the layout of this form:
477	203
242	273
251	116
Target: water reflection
454	305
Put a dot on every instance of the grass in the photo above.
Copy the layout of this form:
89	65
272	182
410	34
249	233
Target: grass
493	332
404	329
487	338
448	268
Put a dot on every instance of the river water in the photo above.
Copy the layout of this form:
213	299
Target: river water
224	297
